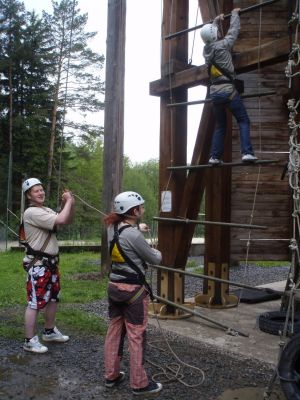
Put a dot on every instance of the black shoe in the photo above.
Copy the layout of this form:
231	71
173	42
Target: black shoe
114	382
153	387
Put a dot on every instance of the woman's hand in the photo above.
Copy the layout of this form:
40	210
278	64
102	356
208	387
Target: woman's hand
144	227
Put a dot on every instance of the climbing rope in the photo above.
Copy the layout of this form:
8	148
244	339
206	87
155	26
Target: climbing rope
194	38
89	205
174	371
6	226
259	128
293	168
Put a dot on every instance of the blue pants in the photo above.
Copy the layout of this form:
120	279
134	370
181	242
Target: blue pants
221	101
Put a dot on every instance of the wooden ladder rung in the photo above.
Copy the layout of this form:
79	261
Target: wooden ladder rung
244	96
224	164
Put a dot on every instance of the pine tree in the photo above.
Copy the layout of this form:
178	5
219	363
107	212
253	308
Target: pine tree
77	83
12	20
36	61
26	94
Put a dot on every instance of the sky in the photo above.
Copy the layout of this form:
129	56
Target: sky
142	55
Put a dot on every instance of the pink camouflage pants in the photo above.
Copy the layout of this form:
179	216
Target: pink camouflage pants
130	319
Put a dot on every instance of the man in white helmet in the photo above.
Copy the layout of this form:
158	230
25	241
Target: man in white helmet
218	57
41	263
128	293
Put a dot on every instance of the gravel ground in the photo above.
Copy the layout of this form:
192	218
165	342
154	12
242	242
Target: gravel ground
75	370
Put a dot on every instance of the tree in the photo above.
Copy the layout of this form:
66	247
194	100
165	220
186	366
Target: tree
143	178
77	83
12	20
19	90
84	177
28	68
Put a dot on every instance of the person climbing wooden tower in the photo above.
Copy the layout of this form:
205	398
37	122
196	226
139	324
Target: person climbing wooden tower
230	191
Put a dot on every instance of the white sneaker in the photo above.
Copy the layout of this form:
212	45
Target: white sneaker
214	161
56	336
249	157
35	346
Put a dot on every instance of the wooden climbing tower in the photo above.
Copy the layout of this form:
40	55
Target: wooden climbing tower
235	194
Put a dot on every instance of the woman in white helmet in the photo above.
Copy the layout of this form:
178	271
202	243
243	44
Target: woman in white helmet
128	292
217	54
41	263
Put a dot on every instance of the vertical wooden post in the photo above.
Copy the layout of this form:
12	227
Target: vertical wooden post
217	208
217	238
114	111
173	140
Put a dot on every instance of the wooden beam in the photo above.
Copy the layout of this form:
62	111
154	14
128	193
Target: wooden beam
114	113
270	53
193	189
173	141
227	16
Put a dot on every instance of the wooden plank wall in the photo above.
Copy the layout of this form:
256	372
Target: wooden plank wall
272	204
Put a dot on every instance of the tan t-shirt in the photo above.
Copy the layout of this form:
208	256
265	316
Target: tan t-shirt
38	221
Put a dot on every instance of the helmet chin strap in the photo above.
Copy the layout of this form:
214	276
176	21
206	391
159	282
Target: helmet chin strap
135	218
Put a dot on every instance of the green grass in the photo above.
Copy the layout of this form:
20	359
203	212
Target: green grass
193	266
267	264
80	283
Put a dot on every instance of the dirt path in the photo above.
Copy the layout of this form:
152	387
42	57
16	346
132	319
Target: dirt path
75	371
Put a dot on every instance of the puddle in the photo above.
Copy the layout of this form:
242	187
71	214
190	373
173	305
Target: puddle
19	359
250	393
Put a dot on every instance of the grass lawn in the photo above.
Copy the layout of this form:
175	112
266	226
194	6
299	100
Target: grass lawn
80	283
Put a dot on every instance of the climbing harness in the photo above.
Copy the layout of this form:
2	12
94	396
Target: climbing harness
119	256
214	71
49	260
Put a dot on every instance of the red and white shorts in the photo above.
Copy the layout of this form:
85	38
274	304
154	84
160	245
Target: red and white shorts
43	285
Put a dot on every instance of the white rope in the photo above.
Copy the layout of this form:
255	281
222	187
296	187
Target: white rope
171	371
174	371
88	205
11	230
194	36
12	213
248	244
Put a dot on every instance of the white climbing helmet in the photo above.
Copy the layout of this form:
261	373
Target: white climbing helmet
209	33
126	200
28	183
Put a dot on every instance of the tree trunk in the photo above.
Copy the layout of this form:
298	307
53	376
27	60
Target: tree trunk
53	127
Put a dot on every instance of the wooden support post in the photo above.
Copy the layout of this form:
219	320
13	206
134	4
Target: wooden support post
173	145
114	112
217	238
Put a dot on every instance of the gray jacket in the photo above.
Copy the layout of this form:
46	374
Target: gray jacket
220	51
135	246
